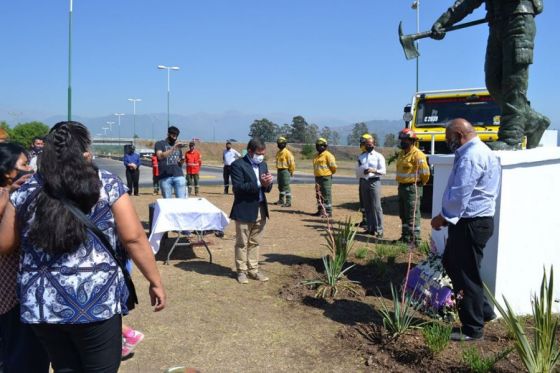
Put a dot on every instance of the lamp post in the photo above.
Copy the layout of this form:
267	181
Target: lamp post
134	101
119	115
168	68
416	6
70	61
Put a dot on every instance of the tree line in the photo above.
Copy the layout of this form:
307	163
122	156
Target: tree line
299	131
23	133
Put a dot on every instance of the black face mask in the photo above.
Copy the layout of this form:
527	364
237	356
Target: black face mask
404	145
281	146
369	148
320	148
22	173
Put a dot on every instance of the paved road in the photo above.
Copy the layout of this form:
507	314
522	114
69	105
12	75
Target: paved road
212	175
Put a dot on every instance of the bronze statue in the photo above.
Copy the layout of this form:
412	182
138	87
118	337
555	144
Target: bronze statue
508	55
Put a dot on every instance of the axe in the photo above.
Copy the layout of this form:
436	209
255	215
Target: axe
407	41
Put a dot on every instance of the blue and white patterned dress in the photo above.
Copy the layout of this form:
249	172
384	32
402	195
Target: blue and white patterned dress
81	286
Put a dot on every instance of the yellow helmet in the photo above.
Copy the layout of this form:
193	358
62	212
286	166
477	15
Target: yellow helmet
281	140
321	141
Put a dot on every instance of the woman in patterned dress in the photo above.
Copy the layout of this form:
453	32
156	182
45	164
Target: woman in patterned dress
72	291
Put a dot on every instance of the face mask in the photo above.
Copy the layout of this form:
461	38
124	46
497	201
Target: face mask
257	159
320	148
281	146
171	140
404	145
22	173
369	148
453	145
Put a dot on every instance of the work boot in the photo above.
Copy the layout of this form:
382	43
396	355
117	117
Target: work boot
258	276
190	190
318	213
226	189
535	130
196	191
242	278
501	145
287	204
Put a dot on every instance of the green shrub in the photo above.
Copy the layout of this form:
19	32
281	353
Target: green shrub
307	151
478	363
436	335
542	354
361	253
340	243
424	248
401	318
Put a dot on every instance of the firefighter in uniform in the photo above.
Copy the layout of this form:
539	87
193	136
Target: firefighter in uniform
509	53
194	162
324	166
363	139
413	173
285	166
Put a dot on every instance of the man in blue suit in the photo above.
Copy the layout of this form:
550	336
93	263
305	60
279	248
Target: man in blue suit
251	180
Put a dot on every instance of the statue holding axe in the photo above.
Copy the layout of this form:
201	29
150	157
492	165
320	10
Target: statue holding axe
509	53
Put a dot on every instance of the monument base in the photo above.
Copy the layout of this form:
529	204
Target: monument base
526	237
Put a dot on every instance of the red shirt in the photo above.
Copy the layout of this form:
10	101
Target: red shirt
194	161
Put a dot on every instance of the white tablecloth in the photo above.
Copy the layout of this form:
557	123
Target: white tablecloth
185	214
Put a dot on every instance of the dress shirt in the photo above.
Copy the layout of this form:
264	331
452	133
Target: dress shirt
132	158
230	156
474	183
373	160
257	174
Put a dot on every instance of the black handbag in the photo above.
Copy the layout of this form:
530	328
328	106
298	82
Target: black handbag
132	300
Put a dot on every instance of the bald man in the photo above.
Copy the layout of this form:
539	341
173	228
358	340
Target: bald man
467	209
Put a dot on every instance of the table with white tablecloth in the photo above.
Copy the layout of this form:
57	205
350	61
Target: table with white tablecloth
195	215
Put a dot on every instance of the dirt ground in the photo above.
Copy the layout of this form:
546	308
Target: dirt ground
218	325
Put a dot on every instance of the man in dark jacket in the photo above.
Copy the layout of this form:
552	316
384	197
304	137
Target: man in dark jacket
251	180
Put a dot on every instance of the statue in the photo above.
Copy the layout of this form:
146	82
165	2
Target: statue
508	55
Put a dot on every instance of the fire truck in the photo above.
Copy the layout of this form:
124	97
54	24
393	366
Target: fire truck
430	111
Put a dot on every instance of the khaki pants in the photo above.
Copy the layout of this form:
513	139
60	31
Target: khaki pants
247	237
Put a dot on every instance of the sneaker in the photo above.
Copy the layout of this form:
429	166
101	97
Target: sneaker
130	342
242	278
258	276
460	337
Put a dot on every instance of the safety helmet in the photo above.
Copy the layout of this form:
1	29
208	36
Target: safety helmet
321	141
281	140
407	133
364	137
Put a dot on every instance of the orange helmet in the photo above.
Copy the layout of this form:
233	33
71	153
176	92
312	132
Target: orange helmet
407	133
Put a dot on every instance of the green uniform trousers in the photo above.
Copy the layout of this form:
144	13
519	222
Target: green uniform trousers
325	187
192	179
284	186
409	200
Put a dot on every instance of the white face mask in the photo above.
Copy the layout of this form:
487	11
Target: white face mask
257	159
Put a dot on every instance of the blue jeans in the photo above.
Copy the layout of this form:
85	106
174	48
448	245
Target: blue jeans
177	183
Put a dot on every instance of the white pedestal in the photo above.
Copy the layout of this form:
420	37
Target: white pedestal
527	224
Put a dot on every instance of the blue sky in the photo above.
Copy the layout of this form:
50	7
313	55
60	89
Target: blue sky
333	58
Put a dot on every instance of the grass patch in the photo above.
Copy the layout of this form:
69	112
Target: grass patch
436	335
478	363
361	253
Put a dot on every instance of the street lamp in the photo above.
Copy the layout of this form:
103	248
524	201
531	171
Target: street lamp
119	115
134	101
416	6
70	61
168	68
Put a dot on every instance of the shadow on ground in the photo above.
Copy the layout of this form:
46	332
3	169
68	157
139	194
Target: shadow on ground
206	268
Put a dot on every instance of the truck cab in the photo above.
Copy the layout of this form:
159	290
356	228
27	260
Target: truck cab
430	111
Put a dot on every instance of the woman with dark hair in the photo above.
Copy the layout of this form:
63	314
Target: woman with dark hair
72	289
18	340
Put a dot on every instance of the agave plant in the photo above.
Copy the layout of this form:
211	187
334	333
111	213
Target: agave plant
543	354
401	319
340	243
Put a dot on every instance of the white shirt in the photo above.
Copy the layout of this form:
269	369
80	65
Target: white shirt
230	156
373	160
256	171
